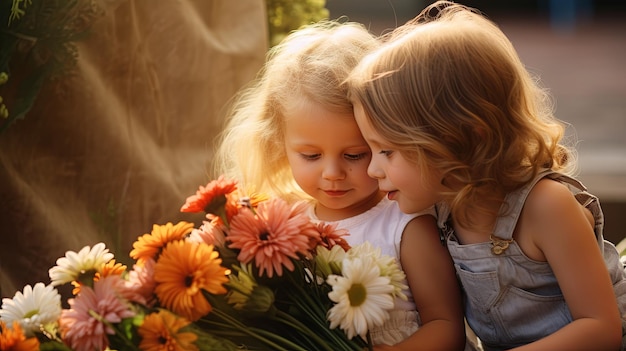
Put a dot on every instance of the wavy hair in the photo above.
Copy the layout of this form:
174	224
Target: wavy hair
448	90
311	64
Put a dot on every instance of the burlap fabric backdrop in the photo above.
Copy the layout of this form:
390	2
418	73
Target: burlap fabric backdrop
106	153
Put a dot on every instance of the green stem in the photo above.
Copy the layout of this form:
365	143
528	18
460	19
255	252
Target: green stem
255	333
287	342
230	333
313	308
98	317
293	322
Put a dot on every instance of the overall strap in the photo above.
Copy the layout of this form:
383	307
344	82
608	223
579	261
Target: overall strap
513	204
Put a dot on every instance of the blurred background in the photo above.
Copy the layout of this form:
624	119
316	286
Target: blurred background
109	108
578	49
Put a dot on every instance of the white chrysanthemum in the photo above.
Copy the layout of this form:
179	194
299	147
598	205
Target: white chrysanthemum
388	265
365	249
70	267
329	261
390	268
363	298
335	254
34	307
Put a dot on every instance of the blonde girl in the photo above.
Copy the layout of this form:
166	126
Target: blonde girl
453	117
292	134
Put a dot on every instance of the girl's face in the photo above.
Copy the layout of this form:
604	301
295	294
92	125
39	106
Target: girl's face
328	159
403	180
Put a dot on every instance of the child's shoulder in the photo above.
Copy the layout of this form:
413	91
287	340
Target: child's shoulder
552	214
547	196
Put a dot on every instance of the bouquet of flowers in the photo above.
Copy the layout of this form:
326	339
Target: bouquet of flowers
257	274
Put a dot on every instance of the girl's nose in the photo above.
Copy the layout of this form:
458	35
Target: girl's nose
333	170
374	171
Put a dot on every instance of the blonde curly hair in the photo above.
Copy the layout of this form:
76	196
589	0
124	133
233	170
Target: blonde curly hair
310	64
449	91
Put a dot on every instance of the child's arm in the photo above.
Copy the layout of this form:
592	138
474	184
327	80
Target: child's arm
432	280
560	234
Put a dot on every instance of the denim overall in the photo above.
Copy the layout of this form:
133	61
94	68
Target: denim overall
511	300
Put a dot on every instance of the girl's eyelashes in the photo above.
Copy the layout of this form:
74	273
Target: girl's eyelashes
310	157
349	157
356	157
386	152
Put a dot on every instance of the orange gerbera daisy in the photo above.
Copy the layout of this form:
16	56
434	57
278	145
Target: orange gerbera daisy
112	268
182	272
13	339
161	332
109	268
272	237
150	245
210	198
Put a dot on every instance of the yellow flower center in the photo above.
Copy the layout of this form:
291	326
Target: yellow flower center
357	294
31	313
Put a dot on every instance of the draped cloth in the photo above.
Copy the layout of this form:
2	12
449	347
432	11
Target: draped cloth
117	146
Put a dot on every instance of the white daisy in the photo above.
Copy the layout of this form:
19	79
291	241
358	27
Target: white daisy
70	267
388	265
34	307
363	298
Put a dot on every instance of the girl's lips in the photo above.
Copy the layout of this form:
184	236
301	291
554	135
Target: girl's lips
335	193
391	194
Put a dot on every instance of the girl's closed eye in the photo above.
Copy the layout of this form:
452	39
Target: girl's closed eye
356	157
310	157
386	152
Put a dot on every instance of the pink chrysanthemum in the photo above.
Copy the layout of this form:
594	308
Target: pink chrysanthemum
211	232
84	325
141	281
272	237
210	198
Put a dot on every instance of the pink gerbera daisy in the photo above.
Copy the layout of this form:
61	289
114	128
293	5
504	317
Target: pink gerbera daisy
85	325
210	198
331	236
272	237
211	232
141	281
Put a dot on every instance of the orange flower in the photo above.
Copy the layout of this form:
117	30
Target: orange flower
161	332
235	201
182	272
150	245
210	198
272	237
109	268
112	268
13	339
